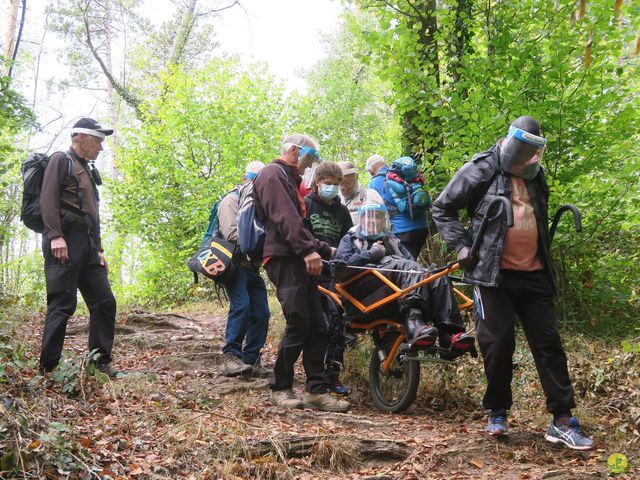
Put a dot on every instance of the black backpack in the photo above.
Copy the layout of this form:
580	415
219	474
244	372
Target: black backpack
32	170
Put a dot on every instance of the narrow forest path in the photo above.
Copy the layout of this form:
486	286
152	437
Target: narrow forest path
174	416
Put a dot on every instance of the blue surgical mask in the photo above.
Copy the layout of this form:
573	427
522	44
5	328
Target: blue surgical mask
328	192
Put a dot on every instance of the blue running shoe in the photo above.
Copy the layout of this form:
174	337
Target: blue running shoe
571	435
497	426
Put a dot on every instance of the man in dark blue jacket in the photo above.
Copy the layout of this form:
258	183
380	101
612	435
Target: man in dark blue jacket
512	273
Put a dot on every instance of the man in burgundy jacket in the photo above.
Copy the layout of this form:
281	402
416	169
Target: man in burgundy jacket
72	249
293	258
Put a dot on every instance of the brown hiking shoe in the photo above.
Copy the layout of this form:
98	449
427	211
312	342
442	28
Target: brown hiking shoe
108	370
233	366
325	402
259	371
285	399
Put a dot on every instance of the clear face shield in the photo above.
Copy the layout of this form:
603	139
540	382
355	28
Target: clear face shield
521	153
308	159
373	221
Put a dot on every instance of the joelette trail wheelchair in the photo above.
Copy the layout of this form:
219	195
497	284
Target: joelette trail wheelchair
394	369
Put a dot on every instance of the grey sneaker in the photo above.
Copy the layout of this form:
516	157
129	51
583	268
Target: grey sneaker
571	435
233	366
285	399
325	402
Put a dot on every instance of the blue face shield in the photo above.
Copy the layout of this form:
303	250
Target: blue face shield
521	153
305	150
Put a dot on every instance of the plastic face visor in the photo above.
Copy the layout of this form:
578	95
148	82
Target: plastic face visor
521	153
306	150
374	221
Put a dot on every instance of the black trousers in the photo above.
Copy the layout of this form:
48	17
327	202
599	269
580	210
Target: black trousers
306	330
413	241
82	271
529	297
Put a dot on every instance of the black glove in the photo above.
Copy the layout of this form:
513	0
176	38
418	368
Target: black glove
465	260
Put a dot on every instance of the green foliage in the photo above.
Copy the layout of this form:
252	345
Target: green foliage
461	70
343	109
192	148
15	118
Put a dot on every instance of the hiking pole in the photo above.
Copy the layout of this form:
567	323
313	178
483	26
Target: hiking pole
508	211
577	219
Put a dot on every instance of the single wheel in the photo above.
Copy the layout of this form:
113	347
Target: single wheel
397	390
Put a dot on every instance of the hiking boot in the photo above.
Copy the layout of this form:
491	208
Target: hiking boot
418	334
259	371
233	366
497	425
571	435
108	370
285	399
325	402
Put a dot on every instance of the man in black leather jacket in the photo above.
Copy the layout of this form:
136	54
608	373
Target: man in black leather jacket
512	274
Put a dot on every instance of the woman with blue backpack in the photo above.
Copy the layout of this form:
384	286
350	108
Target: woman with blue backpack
405	196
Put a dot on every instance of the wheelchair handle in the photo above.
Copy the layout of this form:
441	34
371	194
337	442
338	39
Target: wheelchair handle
577	219
507	210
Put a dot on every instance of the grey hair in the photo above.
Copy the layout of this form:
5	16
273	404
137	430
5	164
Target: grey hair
296	139
374	160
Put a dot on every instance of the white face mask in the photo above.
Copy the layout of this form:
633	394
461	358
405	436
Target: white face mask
328	192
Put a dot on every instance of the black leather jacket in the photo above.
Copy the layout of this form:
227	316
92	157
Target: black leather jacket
472	188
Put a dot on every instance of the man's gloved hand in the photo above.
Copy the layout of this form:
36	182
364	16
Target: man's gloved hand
465	260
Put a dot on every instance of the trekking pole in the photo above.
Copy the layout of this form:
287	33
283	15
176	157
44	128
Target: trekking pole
508	211
577	219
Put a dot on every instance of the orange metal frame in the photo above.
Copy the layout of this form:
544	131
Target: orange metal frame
397	293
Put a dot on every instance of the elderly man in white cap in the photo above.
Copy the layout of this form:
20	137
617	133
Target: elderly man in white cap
352	194
248	317
378	169
72	248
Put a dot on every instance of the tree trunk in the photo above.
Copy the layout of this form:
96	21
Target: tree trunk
301	446
182	37
11	34
414	138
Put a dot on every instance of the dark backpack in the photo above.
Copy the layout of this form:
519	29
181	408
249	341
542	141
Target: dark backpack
407	187
252	231
32	170
217	261
213	228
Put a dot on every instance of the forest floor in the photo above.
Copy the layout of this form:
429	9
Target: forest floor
174	416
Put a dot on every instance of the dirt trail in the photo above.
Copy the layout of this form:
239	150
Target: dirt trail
181	419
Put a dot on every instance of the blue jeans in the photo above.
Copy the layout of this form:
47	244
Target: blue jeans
248	318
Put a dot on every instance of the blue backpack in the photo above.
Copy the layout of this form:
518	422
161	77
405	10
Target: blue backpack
406	187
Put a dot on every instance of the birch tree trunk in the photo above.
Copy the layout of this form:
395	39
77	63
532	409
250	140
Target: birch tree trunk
11	34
